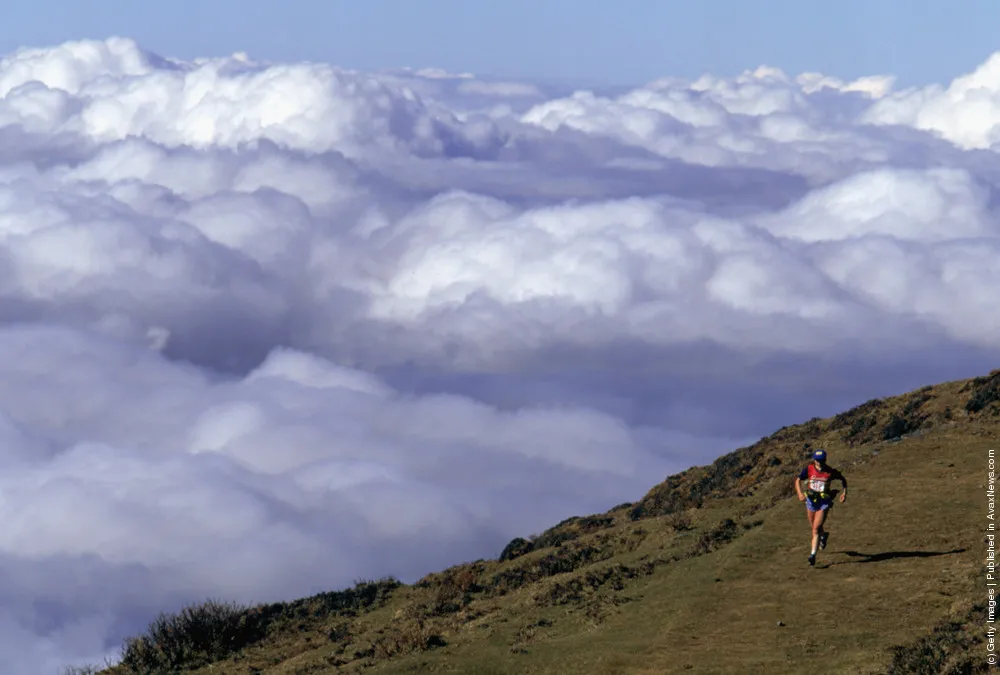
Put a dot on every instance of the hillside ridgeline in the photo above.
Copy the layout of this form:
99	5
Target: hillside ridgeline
706	573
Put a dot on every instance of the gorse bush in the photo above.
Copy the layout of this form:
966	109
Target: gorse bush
680	521
947	650
196	636
516	548
857	423
202	634
909	420
985	392
404	637
718	536
566	531
578	586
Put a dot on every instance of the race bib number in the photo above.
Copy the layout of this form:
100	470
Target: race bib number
817	484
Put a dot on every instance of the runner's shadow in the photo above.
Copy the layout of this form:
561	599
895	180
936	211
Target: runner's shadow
889	555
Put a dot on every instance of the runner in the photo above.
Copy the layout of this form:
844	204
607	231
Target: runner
818	497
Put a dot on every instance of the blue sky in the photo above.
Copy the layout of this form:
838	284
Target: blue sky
600	41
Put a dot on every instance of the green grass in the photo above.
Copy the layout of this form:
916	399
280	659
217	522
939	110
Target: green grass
706	573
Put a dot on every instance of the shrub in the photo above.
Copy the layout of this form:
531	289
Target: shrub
446	599
516	548
718	536
365	594
858	428
196	636
583	583
558	561
985	392
946	650
679	521
909	419
857	413
406	637
202	634
899	426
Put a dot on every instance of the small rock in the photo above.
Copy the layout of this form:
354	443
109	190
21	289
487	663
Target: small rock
780	624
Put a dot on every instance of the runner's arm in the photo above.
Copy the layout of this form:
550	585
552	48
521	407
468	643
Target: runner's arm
842	479
798	486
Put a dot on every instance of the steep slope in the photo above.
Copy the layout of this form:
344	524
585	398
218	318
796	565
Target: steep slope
706	573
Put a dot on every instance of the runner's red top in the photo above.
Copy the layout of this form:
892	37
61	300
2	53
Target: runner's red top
819	479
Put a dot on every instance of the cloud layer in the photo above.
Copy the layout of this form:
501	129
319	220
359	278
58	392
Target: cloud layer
268	328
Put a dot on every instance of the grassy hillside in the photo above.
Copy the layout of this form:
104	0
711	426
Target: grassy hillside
706	573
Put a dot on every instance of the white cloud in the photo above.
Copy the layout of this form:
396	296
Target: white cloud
72	66
875	86
762	118
967	112
269	328
500	89
440	73
116	91
928	205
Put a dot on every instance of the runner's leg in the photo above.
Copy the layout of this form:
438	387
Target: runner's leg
824	535
817	522
812	515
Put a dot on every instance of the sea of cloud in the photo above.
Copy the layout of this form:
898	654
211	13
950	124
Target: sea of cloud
266	329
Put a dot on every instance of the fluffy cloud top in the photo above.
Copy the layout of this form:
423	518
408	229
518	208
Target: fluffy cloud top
967	112
267	328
